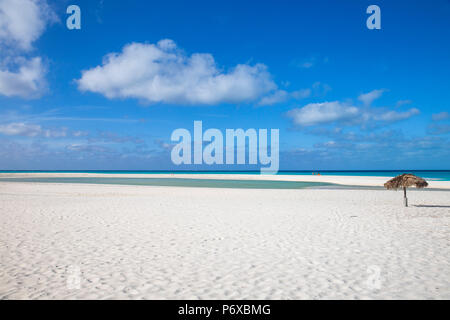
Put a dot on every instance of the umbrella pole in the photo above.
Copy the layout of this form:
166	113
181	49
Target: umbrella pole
405	198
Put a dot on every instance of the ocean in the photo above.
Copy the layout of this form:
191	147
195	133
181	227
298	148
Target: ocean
443	175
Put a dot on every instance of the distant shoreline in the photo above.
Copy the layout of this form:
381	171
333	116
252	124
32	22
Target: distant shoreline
339	180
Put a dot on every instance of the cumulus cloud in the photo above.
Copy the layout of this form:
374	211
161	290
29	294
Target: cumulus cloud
20	129
281	95
163	73
28	81
368	98
395	115
30	130
277	97
22	22
335	111
320	113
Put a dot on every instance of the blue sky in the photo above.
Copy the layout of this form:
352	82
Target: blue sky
108	96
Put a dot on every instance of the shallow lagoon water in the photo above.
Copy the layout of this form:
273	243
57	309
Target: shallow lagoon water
179	182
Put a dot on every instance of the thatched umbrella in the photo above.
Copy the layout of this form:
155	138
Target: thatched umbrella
404	181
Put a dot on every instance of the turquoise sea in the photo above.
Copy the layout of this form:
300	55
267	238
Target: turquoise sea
443	175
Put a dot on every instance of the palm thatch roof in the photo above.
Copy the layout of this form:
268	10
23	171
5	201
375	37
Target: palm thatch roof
404	181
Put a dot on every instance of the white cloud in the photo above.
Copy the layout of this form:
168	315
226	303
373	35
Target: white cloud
332	112
163	73
20	129
27	82
444	115
368	98
30	130
319	113
23	21
345	113
281	95
277	97
396	116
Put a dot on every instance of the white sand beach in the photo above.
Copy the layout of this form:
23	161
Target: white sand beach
77	241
